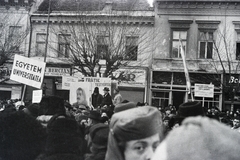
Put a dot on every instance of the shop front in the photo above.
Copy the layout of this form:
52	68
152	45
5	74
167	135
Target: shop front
52	83
169	88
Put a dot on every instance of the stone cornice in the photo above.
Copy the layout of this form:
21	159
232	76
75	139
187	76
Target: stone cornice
96	19
198	7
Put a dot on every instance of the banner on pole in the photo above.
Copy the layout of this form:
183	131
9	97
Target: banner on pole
28	71
204	90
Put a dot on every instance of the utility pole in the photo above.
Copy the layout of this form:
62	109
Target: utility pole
46	42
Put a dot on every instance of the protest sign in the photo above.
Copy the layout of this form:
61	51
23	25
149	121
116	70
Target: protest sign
204	90
98	82
67	81
28	71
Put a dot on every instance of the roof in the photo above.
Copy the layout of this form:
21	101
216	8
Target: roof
93	5
13	3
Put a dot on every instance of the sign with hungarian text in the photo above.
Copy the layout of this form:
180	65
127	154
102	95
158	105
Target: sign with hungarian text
28	71
204	90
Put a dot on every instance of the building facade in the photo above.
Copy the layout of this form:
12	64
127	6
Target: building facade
108	29
209	33
14	34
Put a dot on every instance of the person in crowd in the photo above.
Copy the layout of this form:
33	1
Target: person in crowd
107	103
107	98
49	106
117	98
93	118
21	136
99	135
96	98
64	139
236	124
32	110
18	103
81	98
200	138
134	134
187	109
166	127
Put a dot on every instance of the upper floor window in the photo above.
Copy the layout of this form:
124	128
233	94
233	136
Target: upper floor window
238	46
14	38
40	44
176	37
102	46
64	45
131	49
205	44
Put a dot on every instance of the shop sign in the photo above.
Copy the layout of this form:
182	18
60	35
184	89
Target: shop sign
28	71
130	77
233	80
204	90
57	71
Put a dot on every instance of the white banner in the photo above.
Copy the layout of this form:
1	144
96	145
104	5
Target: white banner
204	90
98	82
67	81
28	71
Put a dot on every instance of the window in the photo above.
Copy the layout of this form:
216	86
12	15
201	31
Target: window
176	36
238	46
14	37
205	44
131	48
40	44
64	45
102	46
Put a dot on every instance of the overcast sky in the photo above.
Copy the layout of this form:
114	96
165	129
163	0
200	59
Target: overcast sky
150	2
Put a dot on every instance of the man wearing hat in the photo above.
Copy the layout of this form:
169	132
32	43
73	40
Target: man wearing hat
107	99
187	109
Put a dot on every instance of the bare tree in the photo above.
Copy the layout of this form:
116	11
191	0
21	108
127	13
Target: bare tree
109	39
12	36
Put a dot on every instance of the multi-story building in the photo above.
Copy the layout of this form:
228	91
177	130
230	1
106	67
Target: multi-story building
209	33
14	31
106	27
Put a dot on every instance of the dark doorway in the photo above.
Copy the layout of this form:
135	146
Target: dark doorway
4	95
178	98
63	93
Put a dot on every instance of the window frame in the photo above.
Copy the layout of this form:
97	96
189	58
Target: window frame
39	43
177	40
66	45
237	42
101	46
13	35
206	41
133	47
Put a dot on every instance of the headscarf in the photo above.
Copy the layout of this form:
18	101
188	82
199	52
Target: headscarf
132	124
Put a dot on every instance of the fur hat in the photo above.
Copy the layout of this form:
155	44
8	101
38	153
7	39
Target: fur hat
106	89
124	106
32	109
50	105
99	134
132	124
95	115
63	136
200	138
190	109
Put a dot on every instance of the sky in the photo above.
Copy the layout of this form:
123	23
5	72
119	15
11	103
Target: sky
150	2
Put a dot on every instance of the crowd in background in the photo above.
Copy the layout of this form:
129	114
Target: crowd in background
112	129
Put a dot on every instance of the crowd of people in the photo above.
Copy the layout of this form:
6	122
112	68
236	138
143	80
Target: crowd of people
115	130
